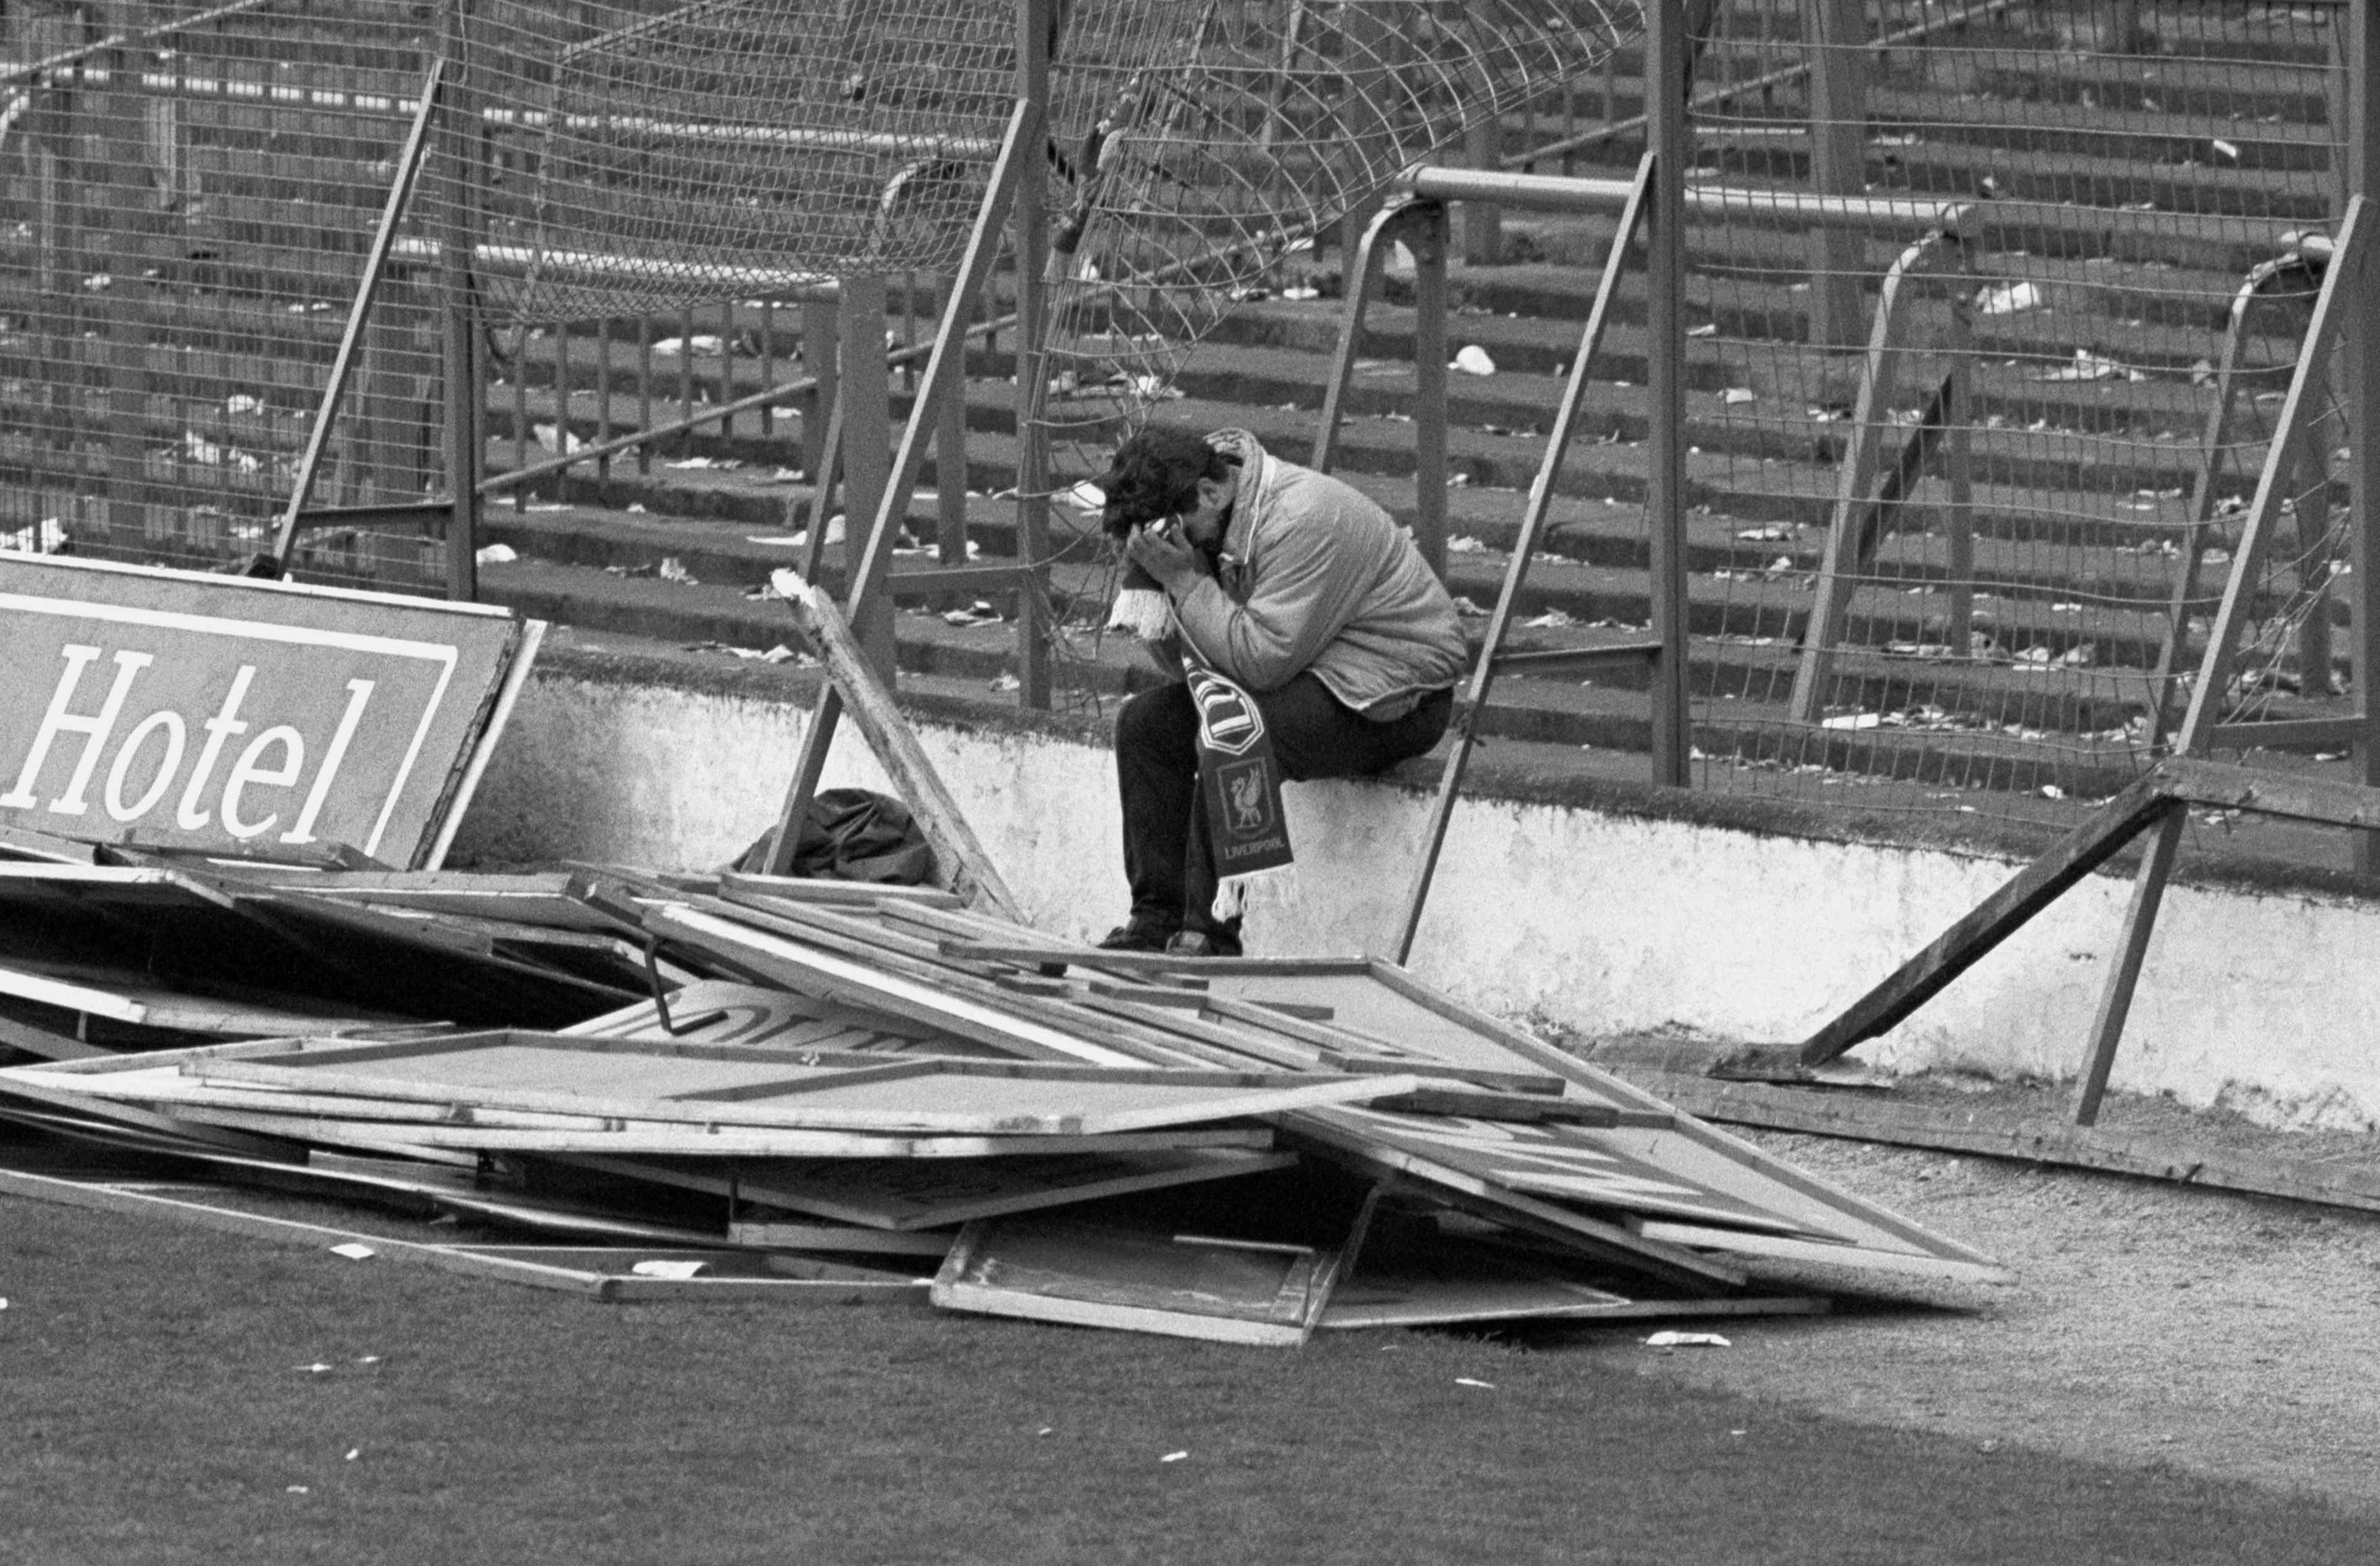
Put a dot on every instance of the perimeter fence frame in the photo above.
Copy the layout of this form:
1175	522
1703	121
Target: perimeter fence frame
433	234
2339	359
1014	195
877	480
1829	217
1869	478
1835	64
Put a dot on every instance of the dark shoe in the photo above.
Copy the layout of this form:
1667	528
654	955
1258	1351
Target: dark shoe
1139	933
1204	943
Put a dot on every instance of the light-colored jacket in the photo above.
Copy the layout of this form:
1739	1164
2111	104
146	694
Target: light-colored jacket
1315	576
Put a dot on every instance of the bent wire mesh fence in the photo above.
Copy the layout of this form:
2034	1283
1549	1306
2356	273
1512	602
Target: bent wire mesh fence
187	197
1969	470
1972	450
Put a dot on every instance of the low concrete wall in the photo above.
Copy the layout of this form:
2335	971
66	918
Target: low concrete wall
1628	911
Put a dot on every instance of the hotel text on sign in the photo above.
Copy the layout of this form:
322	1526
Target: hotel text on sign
174	708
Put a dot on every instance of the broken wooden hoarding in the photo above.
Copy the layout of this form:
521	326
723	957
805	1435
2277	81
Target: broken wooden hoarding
768	993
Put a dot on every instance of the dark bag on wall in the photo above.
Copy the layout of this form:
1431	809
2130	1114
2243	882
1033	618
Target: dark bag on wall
854	834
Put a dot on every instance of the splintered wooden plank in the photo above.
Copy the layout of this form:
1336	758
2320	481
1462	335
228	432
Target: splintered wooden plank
59	1095
49	1046
26	843
151	1007
506	1264
1649	1163
305	915
168	1088
1704	1156
812	968
643	1139
1992	921
1400	1299
620	1079
109	883
1053	1269
427	1118
1397	1299
1518	1109
843	1238
696	1263
1033	953
839	894
724	1012
769	1181
527	909
936	1196
1598	1169
1369	1015
958	853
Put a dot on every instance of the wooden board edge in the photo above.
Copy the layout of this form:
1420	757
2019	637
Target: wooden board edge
282	1231
1356	1318
487	732
1785	1247
1687	1122
774	1291
977	1299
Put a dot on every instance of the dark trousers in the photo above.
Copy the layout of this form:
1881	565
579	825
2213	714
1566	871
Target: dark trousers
1167	855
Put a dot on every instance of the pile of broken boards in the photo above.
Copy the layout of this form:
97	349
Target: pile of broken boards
833	1090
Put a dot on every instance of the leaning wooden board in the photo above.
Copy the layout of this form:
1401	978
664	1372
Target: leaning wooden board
1682	1185
1111	1274
606	1274
200	710
749	1085
915	1194
235	935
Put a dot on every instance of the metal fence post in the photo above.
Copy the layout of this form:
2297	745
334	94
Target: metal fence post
1428	237
950	444
466	402
1034	25
2360	378
1483	221
1665	496
1834	31
867	459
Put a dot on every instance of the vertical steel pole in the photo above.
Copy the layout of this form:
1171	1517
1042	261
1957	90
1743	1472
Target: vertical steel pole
950	441
120	181
1664	498
2360	378
1034	19
822	359
1835	34
458	227
1483	221
1371	52
866	461
1428	237
334	386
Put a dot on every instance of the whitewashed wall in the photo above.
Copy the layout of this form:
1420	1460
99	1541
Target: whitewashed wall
2268	1002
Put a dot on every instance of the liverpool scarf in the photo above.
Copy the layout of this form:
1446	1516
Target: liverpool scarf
1239	783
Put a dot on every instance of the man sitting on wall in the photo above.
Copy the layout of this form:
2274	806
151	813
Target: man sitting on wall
1298	590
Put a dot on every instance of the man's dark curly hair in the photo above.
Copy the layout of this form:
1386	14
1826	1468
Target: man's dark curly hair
1155	475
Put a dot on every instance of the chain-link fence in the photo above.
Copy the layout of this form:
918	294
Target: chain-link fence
187	195
1973	446
1970	453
